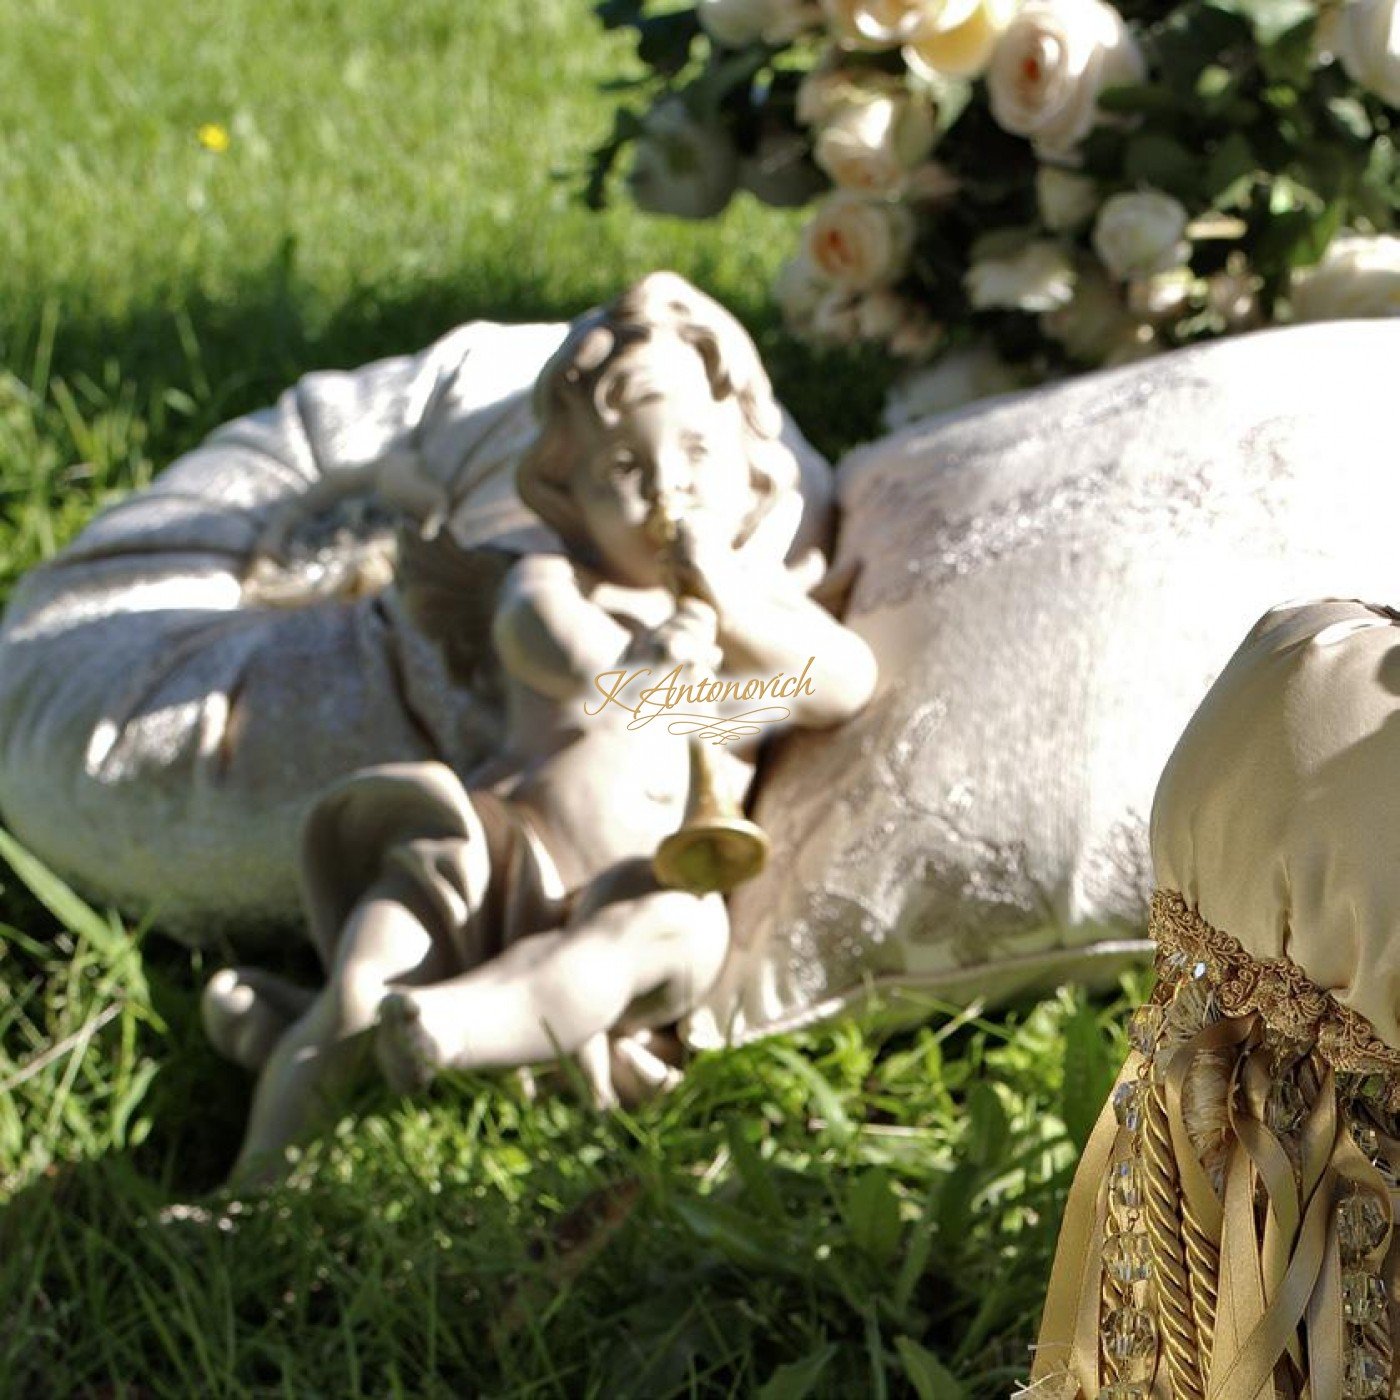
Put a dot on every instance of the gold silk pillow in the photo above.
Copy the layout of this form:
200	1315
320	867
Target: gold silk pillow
1230	1230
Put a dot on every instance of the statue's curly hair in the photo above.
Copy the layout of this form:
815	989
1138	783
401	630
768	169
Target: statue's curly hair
589	374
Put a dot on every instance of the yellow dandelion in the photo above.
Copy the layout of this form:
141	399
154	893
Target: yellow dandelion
213	137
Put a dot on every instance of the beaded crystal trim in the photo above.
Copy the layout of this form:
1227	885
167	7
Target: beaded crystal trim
1287	1000
1164	1328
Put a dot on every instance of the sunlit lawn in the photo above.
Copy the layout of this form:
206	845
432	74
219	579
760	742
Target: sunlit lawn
846	1215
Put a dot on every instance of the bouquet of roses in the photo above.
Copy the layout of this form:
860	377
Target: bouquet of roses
1008	191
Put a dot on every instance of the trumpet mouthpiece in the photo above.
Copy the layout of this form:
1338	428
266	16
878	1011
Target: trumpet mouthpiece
661	524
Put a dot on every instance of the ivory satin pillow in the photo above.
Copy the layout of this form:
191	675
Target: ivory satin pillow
1050	583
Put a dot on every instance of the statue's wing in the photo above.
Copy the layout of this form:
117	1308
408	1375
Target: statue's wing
450	591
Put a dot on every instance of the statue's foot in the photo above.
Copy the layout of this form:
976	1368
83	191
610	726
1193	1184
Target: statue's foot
246	1011
639	1073
408	1055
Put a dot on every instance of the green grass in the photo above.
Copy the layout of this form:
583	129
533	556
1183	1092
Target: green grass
848	1214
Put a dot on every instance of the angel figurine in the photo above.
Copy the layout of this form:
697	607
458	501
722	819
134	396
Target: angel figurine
516	917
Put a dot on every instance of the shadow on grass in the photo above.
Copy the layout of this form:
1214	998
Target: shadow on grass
237	351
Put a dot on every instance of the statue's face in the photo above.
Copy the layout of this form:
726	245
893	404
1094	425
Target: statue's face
672	445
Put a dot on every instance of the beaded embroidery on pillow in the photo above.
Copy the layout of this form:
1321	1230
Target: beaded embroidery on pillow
1229	1230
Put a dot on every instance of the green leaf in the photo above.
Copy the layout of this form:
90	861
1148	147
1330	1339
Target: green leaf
664	40
1215	83
1287	56
915	1261
1312	241
1194	37
1139	99
931	1379
955	1212
618	14
798	1378
726	79
1380	183
755	1173
1230	172
627	126
735	1233
988	1130
1102	152
872	1210
825	1099
1089	1072
1276	240
74	913
1287	196
1163	162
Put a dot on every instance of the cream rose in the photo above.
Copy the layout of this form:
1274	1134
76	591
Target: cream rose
873	144
1035	276
958	378
881	313
789	18
830	86
1365	36
1358	277
1051	64
1067	201
680	166
836	318
1141	233
960	46
875	23
1166	295
918	337
859	243
931	183
735	23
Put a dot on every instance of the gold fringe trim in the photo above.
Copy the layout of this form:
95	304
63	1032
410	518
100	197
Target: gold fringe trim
1280	992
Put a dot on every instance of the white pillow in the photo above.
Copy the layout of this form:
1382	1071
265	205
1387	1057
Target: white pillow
166	715
1050	582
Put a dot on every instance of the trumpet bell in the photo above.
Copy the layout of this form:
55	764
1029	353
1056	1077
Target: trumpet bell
711	855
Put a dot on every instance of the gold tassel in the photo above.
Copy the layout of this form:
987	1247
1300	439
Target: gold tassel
1176	1317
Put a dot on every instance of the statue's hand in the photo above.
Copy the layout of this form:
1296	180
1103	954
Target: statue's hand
690	637
707	564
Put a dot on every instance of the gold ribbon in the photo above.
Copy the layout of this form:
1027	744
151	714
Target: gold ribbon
1277	1299
1069	1330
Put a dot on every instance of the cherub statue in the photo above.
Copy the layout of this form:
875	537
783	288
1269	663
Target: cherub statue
516	917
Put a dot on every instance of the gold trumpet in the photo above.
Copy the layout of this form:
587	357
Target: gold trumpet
716	847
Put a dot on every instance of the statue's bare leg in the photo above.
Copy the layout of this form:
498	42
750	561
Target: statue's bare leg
595	1064
633	954
385	940
246	1011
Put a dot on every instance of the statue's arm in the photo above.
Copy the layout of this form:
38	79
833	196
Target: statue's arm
767	623
548	634
764	633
